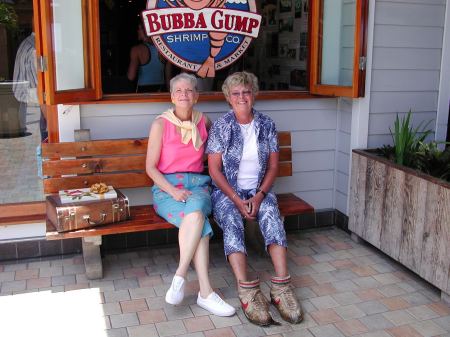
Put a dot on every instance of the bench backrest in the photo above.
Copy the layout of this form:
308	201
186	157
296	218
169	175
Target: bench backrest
119	163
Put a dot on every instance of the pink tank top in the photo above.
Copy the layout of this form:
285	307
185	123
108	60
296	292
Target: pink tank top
178	157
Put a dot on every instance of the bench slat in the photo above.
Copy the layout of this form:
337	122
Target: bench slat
96	147
120	180
93	165
110	164
114	147
144	218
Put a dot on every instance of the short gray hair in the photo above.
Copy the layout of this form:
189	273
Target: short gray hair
239	78
185	77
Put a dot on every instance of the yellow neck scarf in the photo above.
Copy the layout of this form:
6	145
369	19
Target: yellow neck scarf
188	129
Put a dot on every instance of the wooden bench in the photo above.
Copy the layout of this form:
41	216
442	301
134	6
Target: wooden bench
121	163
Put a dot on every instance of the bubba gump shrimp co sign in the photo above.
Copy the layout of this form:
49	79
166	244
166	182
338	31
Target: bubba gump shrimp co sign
202	36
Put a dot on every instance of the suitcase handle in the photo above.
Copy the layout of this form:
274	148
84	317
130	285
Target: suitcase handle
87	218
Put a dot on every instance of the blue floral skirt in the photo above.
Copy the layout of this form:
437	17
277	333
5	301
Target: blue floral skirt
174	211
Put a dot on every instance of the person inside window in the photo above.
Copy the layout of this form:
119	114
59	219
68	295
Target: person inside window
243	164
146	67
25	82
181	193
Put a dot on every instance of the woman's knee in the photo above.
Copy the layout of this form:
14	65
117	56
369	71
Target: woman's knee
194	218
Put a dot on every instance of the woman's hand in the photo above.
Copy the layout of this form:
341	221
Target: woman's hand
180	194
255	203
243	206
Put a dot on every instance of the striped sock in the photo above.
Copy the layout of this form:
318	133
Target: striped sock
249	284
281	280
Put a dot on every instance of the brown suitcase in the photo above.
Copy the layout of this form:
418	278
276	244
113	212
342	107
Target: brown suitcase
84	214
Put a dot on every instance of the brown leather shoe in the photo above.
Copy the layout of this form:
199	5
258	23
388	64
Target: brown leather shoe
283	297
254	303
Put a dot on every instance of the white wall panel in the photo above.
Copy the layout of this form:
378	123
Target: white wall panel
407	36
407	58
391	13
313	161
382	102
405	80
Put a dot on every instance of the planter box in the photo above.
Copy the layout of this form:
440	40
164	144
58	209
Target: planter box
403	213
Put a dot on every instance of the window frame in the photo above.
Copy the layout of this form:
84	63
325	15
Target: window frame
360	46
95	95
46	58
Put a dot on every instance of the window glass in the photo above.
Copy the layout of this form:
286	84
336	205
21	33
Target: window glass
67	29
278	56
22	124
337	44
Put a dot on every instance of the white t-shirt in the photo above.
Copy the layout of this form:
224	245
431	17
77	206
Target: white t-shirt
247	178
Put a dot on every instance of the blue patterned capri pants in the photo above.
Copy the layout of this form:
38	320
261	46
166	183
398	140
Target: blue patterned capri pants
174	211
231	222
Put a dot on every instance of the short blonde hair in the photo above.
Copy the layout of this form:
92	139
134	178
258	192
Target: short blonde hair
186	77
239	78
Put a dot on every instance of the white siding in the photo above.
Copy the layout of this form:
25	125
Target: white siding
406	65
311	121
342	165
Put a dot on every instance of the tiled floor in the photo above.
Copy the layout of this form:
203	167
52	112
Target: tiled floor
19	178
346	289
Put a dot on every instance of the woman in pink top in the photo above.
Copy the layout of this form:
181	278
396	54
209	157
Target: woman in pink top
181	193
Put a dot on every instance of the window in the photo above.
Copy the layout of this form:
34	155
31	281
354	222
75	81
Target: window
303	46
22	123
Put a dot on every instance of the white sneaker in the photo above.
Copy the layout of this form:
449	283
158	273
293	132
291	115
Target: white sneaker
175	294
214	304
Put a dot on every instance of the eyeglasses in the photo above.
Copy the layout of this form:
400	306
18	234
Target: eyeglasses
237	94
187	92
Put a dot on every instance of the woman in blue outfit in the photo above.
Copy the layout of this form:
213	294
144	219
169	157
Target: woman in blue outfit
243	164
181	193
145	65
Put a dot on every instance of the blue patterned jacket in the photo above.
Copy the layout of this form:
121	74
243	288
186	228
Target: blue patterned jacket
225	137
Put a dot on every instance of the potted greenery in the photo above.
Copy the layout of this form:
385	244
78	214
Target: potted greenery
8	17
397	206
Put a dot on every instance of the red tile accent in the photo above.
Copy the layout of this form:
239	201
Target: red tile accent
364	271
351	327
304	260
325	316
404	331
224	332
302	281
26	274
133	305
198	324
343	264
135	272
340	245
440	308
150	281
323	289
37	283
152	316
320	239
369	294
395	303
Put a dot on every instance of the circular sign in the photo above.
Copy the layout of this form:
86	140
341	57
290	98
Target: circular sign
202	36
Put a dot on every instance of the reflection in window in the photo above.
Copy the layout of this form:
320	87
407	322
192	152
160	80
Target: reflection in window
278	56
22	124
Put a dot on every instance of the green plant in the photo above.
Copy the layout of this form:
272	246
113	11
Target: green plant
407	139
8	16
429	159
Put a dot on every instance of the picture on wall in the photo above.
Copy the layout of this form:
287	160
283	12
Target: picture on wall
302	54
285	6
286	25
268	12
298	78
298	8
272	44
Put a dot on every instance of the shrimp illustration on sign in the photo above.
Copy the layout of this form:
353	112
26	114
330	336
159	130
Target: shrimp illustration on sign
230	24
